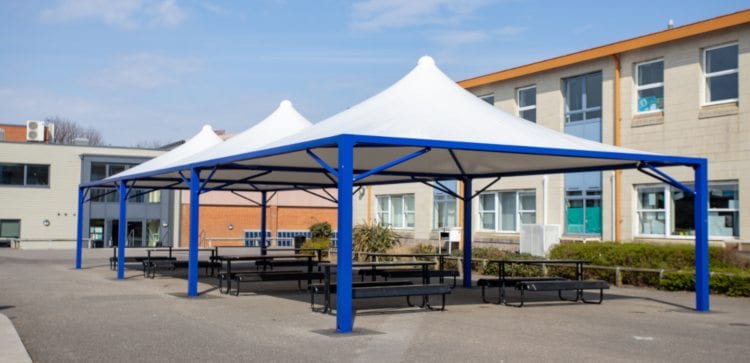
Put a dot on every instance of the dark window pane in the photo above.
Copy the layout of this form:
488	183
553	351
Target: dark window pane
682	213
527	97
724	196
724	87
11	174
37	175
721	59
98	171
575	117
489	99
529	115
10	228
116	168
650	73
651	99
594	90
574	93
590	115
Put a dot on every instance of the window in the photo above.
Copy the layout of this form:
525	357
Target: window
285	238
506	211
445	206
722	75
34	175
583	97
650	86
396	210
10	228
668	211
490	98
252	238
527	103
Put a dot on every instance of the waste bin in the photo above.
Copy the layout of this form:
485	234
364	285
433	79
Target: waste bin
299	241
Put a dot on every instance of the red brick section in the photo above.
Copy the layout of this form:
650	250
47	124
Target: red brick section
215	219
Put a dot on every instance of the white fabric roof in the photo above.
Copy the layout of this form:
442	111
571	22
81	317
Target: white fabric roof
203	140
459	135
284	121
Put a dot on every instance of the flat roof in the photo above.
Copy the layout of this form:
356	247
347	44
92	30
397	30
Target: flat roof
685	31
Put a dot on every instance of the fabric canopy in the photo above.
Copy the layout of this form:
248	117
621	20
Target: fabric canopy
202	141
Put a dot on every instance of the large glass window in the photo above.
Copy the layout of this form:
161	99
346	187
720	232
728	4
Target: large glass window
10	228
668	211
490	98
583	97
396	210
252	238
445	206
506	211
24	174
650	85
722	73
527	103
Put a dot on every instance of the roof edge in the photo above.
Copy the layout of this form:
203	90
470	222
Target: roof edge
685	31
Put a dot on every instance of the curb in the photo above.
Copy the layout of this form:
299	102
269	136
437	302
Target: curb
10	343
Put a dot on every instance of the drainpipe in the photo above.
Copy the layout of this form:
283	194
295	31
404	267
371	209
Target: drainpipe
618	173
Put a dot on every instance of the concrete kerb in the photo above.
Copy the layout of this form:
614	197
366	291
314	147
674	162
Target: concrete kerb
11	346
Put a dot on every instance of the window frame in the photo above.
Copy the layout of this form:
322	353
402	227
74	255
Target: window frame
707	75
487	96
25	176
10	220
668	211
520	108
498	210
392	214
639	87
585	109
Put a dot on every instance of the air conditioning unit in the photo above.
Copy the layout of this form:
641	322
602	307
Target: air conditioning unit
35	131
536	239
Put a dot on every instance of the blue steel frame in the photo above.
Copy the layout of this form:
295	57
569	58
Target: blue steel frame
345	173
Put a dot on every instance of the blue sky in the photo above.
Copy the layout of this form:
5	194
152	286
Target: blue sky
157	70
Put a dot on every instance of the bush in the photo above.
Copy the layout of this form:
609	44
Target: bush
730	284
320	236
375	238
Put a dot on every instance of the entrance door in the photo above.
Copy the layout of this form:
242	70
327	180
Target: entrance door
135	234
583	118
113	233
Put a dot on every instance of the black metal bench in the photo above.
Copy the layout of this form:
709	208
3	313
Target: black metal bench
274	276
321	289
407	291
566	285
150	266
402	273
510	282
206	265
128	259
286	263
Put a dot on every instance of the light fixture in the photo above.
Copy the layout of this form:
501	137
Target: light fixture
46	222
230	226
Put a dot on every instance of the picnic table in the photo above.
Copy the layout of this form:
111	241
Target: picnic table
384	289
441	273
542	283
229	275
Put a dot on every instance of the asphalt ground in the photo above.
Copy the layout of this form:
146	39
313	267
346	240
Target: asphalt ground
68	315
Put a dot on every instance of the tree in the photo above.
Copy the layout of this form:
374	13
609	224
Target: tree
66	131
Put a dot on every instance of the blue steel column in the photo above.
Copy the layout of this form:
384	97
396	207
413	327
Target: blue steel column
263	207
701	237
122	230
467	232
195	186
79	229
344	321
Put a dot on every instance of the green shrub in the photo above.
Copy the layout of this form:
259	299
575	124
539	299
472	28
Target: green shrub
729	284
375	238
320	236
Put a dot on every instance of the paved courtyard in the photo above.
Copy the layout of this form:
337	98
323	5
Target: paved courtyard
66	315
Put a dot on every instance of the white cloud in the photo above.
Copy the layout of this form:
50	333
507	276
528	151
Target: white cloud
461	37
382	14
146	71
124	14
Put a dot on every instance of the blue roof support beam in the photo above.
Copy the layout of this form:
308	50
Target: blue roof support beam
467	232
392	163
195	191
344	309
322	163
701	237
79	226
480	191
263	223
458	163
256	203
208	179
664	177
122	227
